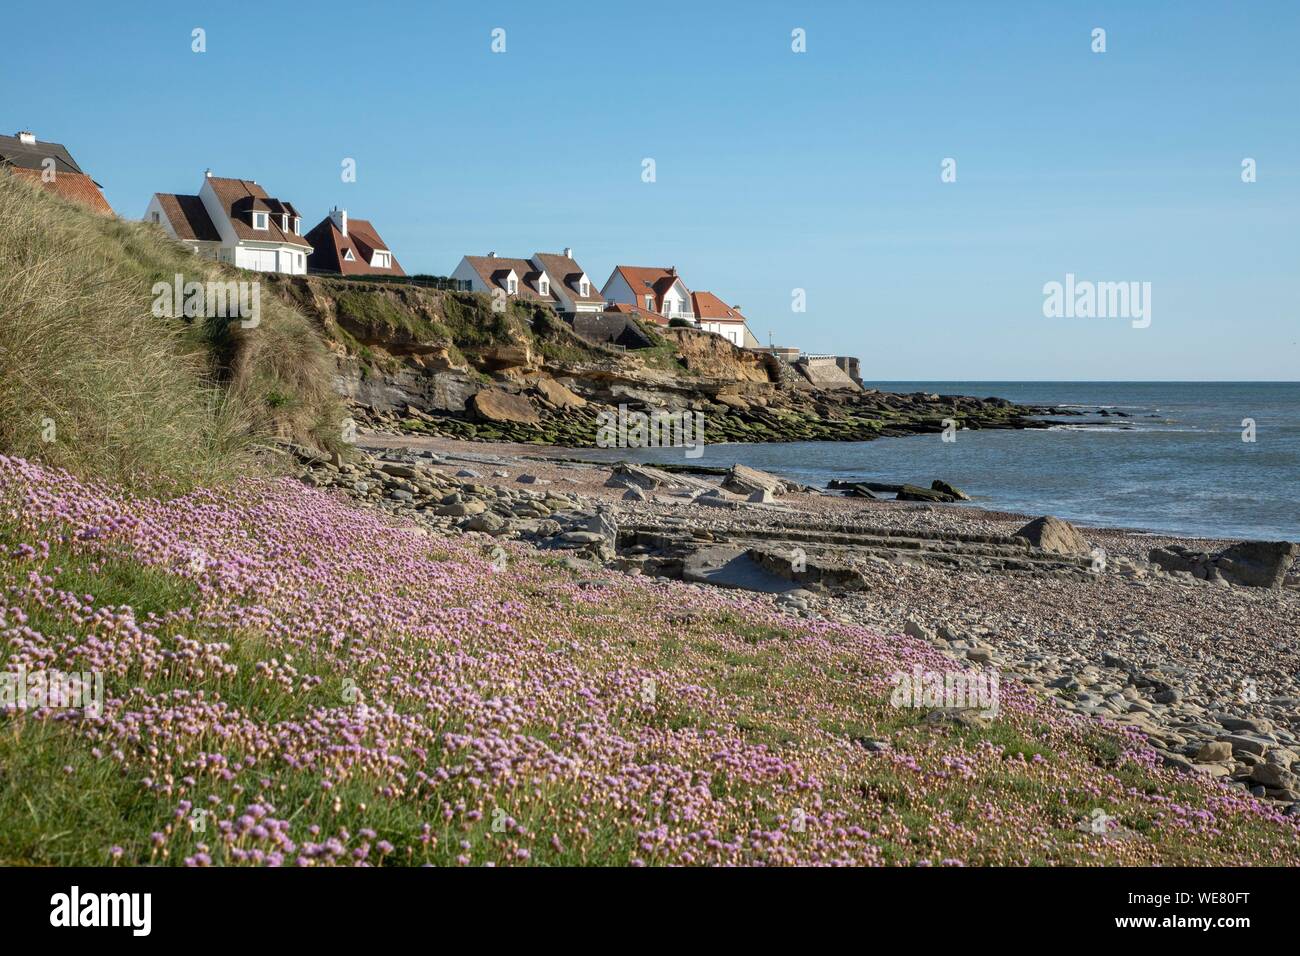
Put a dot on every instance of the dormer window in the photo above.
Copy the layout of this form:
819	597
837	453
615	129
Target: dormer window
297	225
284	223
512	285
650	302
544	286
584	287
383	260
261	220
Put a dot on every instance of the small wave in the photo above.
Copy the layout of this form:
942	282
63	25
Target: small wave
1092	405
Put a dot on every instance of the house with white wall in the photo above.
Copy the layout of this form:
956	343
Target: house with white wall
717	317
657	291
235	221
554	279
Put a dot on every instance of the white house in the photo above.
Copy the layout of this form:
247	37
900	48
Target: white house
235	221
716	316
660	292
552	278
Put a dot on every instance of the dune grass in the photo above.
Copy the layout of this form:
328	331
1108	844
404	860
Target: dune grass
92	381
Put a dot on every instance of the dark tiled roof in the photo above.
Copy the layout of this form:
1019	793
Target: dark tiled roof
564	270
15	152
493	270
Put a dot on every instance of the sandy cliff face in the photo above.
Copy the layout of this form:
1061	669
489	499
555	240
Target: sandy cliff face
712	356
426	360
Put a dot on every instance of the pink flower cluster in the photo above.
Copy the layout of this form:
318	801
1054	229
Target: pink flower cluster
306	683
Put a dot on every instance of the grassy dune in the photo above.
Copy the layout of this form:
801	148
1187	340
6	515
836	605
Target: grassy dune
92	381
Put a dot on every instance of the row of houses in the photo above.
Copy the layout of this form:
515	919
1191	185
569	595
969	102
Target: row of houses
651	293
237	222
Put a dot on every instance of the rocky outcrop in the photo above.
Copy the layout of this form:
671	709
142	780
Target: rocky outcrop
1054	536
1258	564
913	493
411	356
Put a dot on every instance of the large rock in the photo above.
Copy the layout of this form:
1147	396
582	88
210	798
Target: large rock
494	405
796	566
1259	564
746	481
558	395
948	489
507	356
1054	536
1256	564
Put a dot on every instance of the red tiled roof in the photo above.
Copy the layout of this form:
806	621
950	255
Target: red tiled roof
643	279
329	247
238	197
188	217
75	187
708	307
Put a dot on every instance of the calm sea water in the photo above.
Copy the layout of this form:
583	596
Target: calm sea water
1176	464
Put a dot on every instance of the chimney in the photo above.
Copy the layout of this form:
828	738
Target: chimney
26	137
340	218
207	173
568	252
492	255
672	270
736	307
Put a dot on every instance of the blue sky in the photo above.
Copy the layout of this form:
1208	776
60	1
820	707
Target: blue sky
775	170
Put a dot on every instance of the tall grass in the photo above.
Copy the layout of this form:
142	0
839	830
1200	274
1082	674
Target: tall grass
92	381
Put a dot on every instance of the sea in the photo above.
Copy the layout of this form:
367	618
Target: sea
1200	459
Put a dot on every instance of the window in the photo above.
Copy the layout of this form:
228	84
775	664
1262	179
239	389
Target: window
348	256
650	302
544	287
383	260
297	225
156	218
261	220
584	287
284	223
512	285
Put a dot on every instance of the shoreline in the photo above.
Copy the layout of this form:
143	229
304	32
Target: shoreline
563	454
1195	666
